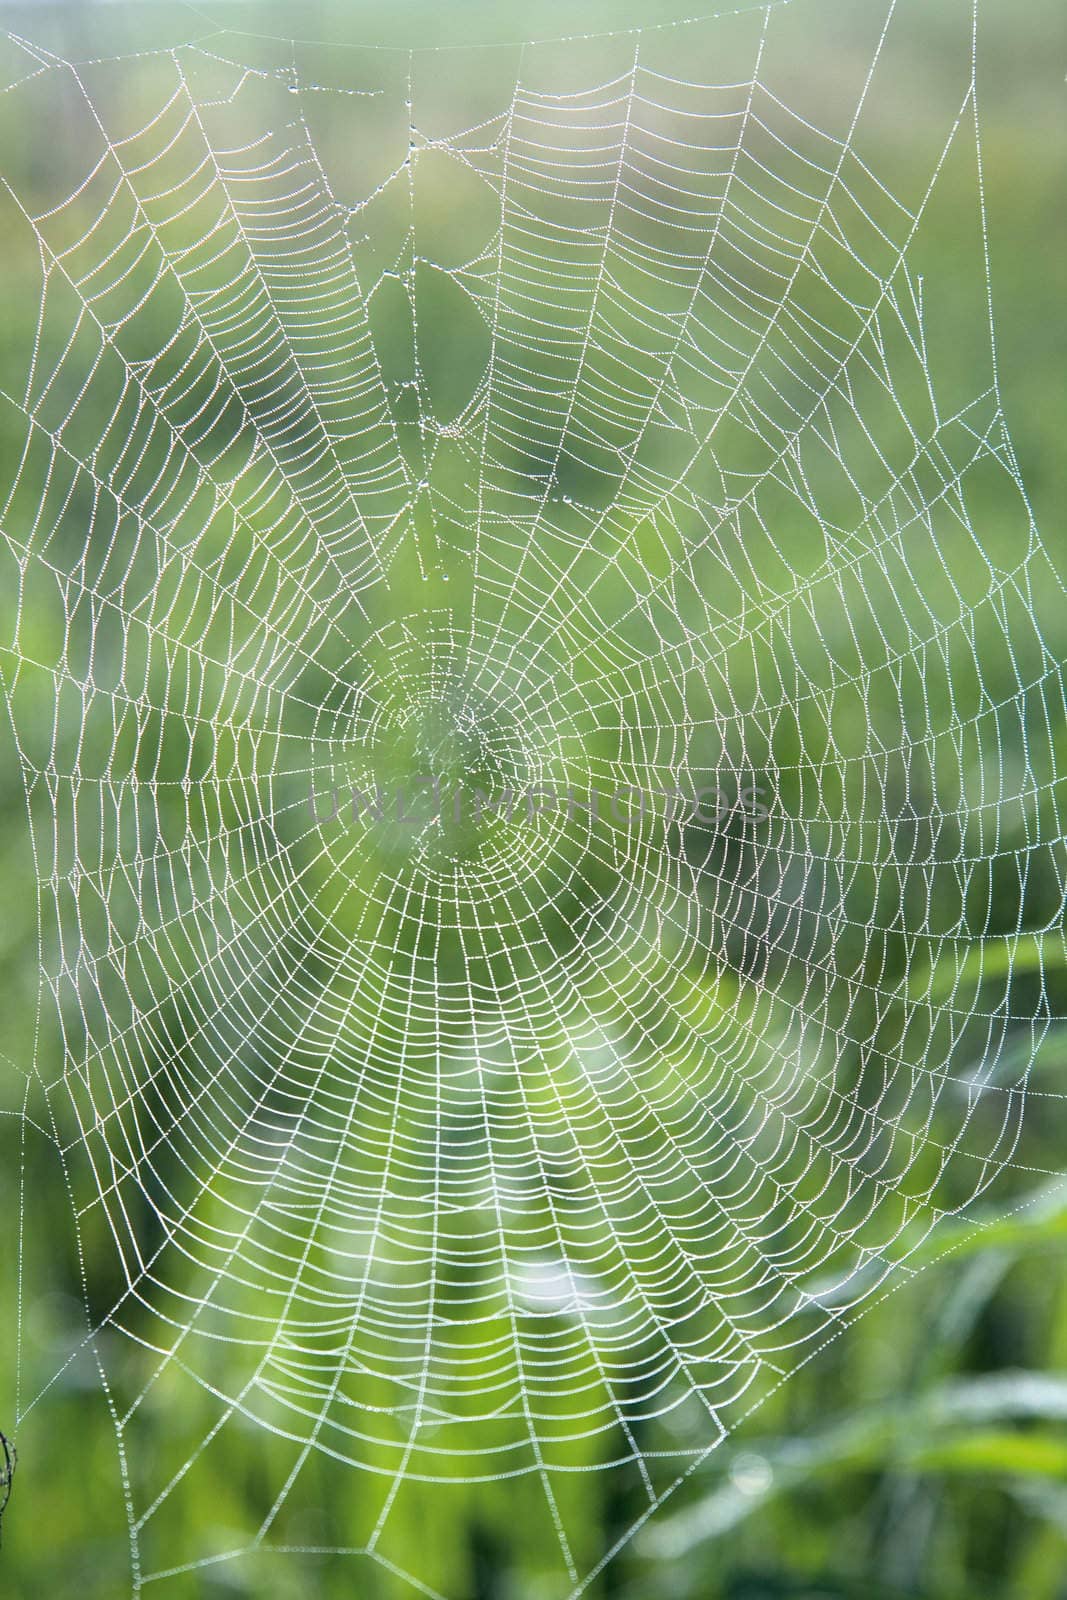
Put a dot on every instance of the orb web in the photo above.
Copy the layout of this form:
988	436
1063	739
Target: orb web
582	418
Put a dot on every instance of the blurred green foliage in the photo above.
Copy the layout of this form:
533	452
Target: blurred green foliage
921	1454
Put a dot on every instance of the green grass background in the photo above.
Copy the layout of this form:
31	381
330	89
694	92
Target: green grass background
922	1454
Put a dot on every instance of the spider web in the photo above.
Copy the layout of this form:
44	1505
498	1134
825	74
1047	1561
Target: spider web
580	414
